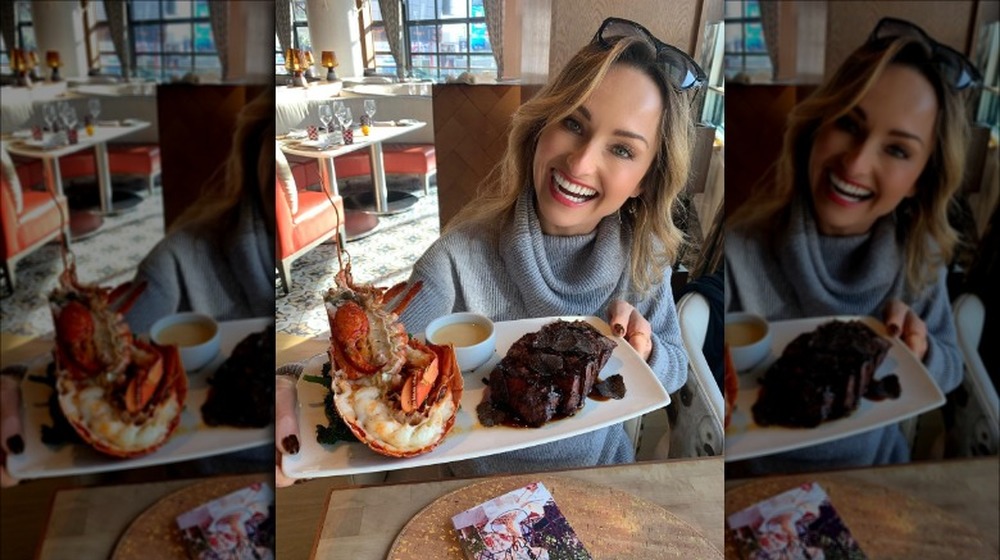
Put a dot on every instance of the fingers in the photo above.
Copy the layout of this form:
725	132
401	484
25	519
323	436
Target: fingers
280	480
902	322
11	441
628	322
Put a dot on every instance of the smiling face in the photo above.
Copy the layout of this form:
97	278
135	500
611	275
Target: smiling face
589	164
863	164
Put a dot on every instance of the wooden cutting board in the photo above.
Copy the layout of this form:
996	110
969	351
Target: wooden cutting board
611	523
887	524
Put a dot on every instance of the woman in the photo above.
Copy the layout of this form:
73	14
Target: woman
576	221
218	257
855	219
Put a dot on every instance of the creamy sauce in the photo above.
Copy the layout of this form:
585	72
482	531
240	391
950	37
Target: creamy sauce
186	334
742	334
461	334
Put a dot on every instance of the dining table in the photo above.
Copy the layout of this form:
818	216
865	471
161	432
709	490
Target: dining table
352	517
379	132
923	509
104	132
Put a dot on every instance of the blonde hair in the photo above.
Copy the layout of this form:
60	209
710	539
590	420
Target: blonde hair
248	171
921	221
656	239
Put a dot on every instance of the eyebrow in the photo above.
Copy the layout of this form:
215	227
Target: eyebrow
618	131
894	132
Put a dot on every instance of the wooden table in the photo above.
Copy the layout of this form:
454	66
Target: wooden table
690	489
965	488
99	142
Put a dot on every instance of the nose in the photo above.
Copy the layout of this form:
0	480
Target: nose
582	160
859	159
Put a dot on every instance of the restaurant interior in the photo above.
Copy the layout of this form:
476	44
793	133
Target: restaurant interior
427	119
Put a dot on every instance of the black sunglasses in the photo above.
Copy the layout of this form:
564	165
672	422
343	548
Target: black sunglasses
680	68
953	65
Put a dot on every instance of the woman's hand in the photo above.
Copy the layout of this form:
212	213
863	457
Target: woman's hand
286	426
10	425
630	324
905	324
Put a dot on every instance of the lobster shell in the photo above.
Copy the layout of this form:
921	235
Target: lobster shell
112	435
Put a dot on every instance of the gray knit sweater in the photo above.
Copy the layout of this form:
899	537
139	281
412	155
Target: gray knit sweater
228	277
802	273
510	270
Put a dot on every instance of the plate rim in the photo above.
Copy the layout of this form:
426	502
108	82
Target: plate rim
923	376
298	467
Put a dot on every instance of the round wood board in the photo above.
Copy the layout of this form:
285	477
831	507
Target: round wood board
886	523
611	523
156	528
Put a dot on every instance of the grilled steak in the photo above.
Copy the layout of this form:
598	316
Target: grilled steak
548	373
822	375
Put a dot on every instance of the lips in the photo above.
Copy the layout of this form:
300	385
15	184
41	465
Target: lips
573	193
848	193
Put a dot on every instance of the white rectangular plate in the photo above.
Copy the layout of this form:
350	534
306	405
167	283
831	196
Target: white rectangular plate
192	440
469	439
745	439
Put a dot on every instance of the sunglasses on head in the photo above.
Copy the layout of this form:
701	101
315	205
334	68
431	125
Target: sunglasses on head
680	68
953	65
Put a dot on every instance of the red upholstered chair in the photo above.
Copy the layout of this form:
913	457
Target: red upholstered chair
31	218
399	159
304	218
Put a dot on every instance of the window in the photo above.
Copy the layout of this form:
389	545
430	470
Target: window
171	38
300	36
745	52
102	51
445	37
25	38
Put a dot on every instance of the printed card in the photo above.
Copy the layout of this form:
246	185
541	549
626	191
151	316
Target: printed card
799	524
237	526
523	524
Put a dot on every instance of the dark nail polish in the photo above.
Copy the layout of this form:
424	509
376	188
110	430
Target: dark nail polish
893	330
15	444
619	330
291	444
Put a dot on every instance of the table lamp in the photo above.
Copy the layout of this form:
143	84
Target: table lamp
308	65
52	60
330	62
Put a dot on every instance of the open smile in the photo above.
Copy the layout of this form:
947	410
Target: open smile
569	192
845	192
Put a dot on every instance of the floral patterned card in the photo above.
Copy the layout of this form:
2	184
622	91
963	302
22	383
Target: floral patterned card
522	524
237	526
799	524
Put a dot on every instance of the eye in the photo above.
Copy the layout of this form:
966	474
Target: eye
847	124
622	151
572	125
897	152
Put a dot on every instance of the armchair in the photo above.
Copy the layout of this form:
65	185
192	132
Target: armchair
304	218
30	218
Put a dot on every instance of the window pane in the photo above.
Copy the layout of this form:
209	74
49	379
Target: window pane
101	14
453	9
299	10
454	38
480	62
480	40
477	9
752	9
423	38
147	38
203	39
176	65
201	8
733	9
755	38
28	42
376	11
145	10
733	65
110	64
148	65
176	10
734	37
23	11
385	61
422	62
207	64
420	9
378	37
758	62
456	62
104	39
305	42
177	37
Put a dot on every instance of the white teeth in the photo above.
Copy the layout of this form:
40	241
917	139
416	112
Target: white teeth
849	190
579	194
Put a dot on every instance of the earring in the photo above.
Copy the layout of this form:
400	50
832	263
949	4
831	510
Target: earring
632	206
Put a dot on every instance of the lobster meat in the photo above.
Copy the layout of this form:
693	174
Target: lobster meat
123	396
396	394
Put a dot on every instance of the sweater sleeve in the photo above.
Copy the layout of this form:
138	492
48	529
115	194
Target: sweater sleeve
162	295
437	296
668	360
943	359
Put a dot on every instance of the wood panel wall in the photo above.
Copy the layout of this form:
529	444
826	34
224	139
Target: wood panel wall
471	126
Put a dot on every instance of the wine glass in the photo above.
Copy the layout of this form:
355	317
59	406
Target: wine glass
49	114
346	118
69	118
95	108
325	116
370	110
